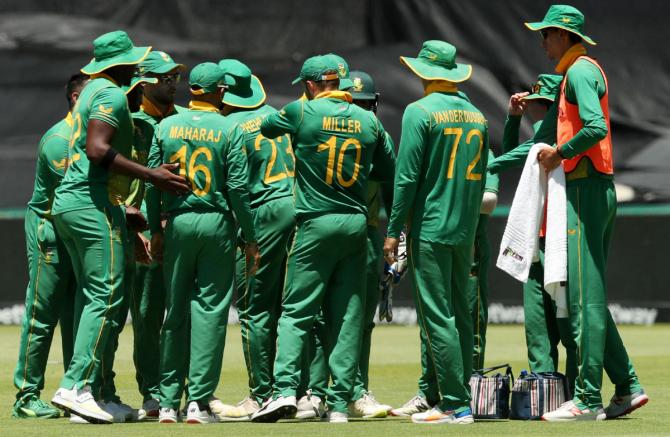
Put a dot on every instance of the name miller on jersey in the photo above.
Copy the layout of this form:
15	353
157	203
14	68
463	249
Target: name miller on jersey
341	125
194	134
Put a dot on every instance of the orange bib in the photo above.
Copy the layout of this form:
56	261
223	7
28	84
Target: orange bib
569	124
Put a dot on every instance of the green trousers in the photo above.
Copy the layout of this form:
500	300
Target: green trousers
96	242
478	286
199	249
147	308
325	270
317	377
105	387
440	274
259	296
314	373
49	299
373	267
543	329
591	213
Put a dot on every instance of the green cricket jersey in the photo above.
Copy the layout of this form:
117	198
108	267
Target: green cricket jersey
515	154
441	170
210	152
584	87
335	144
492	184
87	185
52	156
145	122
271	161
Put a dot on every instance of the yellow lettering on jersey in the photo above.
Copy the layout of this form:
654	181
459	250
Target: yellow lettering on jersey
218	137
341	125
173	131
252	125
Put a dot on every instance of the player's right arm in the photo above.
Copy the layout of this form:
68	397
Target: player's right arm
285	121
108	106
415	127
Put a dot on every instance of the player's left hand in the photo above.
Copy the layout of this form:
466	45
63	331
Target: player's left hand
549	158
135	219
390	249
142	249
253	257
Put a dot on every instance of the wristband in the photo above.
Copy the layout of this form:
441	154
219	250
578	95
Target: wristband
107	160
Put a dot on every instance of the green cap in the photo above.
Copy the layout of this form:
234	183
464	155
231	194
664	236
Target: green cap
342	67
159	63
363	87
136	81
206	78
244	89
437	61
317	68
112	49
564	17
546	87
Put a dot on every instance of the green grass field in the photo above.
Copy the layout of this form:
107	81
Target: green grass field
394	371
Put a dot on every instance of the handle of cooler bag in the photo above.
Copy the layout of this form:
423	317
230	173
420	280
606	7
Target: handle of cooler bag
507	367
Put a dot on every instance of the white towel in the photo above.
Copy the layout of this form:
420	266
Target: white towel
556	241
519	245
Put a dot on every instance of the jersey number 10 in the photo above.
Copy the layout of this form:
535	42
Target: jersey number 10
331	147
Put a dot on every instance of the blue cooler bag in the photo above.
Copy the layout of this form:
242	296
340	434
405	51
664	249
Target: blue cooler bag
534	394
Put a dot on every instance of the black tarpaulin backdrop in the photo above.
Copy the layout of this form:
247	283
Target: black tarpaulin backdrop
43	42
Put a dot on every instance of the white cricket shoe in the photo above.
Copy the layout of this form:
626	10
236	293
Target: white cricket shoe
337	417
275	409
195	415
149	410
78	420
167	415
368	407
310	407
121	412
435	416
418	404
234	413
622	405
81	403
569	412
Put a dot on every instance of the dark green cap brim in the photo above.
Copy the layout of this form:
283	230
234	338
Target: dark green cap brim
537	97
255	98
132	57
543	25
136	81
166	68
460	73
363	96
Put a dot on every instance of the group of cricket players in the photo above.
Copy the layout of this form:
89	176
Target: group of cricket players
165	212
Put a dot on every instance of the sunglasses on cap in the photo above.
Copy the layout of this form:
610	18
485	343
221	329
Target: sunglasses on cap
168	77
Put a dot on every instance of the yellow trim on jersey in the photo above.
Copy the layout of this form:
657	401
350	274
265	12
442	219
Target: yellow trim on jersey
443	86
197	105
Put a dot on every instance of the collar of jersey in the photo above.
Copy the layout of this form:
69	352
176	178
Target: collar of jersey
149	108
570	57
197	105
104	76
440	86
68	119
342	95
